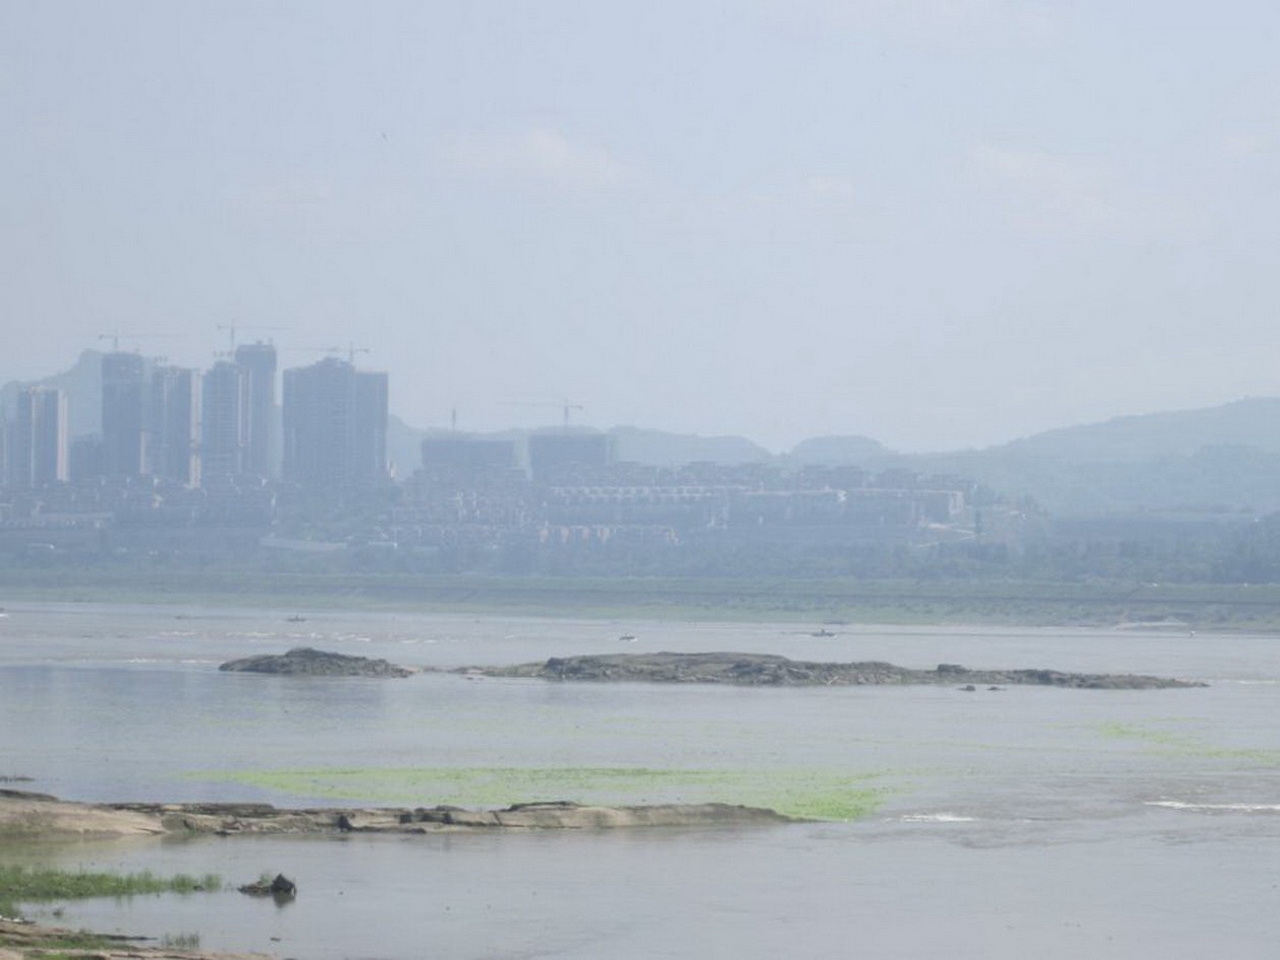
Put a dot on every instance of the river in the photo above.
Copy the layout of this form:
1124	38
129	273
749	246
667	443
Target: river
995	824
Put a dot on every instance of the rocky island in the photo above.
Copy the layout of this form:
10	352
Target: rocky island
307	662
770	670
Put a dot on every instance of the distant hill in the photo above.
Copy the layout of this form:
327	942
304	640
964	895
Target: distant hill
1252	422
657	448
404	446
82	383
840	451
1217	460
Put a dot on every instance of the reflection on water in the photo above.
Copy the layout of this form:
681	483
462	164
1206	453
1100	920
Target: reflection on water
1021	822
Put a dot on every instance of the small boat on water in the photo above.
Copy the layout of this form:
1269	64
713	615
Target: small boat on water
824	632
296	618
628	638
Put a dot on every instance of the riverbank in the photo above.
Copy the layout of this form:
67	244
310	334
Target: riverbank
29	941
33	817
1200	607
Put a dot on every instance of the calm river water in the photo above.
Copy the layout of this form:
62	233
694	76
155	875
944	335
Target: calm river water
1005	824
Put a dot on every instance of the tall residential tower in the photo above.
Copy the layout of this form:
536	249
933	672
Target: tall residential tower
258	362
124	427
37	447
173	450
335	425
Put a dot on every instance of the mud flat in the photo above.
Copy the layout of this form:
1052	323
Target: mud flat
769	670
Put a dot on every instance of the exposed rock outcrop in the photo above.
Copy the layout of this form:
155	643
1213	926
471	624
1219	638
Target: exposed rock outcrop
759	669
306	662
38	816
35	816
279	889
231	819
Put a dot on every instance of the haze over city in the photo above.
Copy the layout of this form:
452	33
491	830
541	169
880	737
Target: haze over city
939	224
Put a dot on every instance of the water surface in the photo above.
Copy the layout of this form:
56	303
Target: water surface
1053	823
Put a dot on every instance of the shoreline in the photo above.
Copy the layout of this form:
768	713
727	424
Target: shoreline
1218	608
35	817
20	940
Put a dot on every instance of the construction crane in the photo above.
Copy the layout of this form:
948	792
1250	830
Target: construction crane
566	406
232	327
350	350
116	336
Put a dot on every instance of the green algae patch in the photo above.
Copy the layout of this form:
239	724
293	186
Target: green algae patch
1131	731
809	794
1176	744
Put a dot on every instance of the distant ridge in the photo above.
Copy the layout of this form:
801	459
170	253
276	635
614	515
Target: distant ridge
1251	422
1212	462
661	449
1221	461
839	451
82	382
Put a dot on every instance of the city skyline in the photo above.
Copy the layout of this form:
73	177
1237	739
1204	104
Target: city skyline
519	416
939	224
195	427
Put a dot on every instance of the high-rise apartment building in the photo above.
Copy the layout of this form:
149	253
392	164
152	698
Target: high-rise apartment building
335	425
124	422
224	421
173	450
258	363
37	442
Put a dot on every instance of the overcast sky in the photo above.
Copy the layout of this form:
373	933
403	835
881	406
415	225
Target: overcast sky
938	223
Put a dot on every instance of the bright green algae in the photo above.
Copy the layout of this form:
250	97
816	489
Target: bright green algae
1180	743
798	793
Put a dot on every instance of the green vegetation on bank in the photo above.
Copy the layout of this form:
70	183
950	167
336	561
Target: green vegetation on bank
21	884
812	794
847	600
45	944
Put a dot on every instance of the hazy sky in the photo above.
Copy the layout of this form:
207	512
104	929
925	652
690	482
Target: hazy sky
939	223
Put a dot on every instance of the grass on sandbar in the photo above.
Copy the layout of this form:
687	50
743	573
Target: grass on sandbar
19	884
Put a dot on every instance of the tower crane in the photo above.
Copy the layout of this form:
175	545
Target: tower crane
350	350
116	336
232	327
566	406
